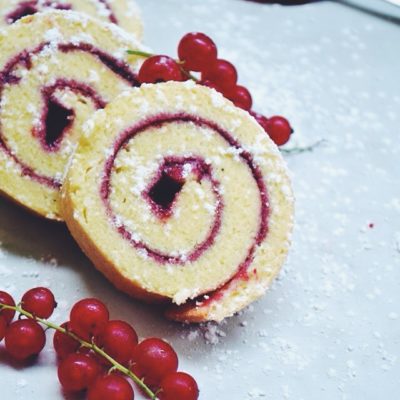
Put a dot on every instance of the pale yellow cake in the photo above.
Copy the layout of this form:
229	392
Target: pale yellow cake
56	69
124	13
178	196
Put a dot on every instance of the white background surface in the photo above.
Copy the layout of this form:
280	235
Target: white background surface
330	327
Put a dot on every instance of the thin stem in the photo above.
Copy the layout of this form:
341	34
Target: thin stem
299	150
189	75
115	364
140	53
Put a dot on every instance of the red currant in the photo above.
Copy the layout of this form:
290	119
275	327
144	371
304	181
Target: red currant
153	360
197	50
89	318
222	73
64	344
5	298
179	386
241	97
160	69
111	387
279	130
211	85
40	302
3	327
119	340
77	372
103	362
24	338
263	121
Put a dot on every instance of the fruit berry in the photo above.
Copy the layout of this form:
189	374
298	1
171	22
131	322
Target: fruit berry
160	69
197	51
179	386
241	97
89	318
119	340
153	360
5	298
221	73
40	302
112	343
24	338
3	327
111	387
211	85
263	121
279	130
64	344
77	372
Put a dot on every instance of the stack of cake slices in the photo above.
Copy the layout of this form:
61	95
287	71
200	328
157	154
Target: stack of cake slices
177	196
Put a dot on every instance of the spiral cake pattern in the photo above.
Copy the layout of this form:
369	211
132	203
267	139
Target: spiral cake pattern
124	13
50	83
181	198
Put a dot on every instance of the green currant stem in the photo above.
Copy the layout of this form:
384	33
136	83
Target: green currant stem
189	75
299	150
116	365
139	53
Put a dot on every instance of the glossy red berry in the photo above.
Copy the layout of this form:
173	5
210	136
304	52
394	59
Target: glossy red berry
153	360
119	340
88	318
3	327
263	121
211	85
279	130
241	97
222	73
5	298
197	50
77	372
64	345
178	386
40	302
111	387
24	338
160	69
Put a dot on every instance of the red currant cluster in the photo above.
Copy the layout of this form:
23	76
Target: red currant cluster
95	354
198	54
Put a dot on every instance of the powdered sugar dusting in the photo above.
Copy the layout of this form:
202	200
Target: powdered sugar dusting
329	327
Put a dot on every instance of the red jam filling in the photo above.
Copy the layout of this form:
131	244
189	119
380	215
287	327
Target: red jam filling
119	67
172	170
23	9
111	15
164	189
170	180
56	119
31	7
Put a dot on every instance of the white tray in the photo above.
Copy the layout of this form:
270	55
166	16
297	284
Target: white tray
330	327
